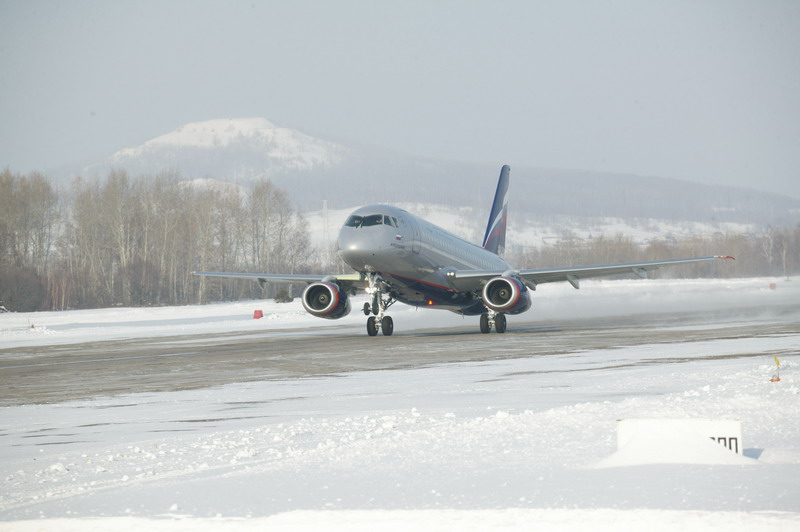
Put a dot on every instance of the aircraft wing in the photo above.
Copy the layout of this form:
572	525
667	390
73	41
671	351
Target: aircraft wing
470	280
346	281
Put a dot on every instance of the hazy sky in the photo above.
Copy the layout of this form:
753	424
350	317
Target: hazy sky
702	90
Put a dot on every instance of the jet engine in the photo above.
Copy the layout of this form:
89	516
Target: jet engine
325	300
507	295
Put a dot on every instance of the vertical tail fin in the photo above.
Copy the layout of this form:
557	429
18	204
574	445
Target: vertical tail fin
495	238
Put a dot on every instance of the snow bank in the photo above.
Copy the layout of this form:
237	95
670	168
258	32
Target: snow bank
435	520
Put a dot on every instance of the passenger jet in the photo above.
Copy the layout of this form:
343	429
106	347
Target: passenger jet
401	257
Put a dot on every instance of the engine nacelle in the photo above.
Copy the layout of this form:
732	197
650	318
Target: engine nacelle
325	300
507	295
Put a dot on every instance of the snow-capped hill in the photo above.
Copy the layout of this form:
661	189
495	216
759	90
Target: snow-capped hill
239	149
213	133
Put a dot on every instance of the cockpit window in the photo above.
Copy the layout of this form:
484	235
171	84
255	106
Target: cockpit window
372	219
354	221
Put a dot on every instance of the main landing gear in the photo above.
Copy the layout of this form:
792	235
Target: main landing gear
380	302
493	319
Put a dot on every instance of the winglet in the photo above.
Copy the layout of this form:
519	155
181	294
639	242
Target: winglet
495	238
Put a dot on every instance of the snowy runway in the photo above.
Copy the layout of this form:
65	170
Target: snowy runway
443	426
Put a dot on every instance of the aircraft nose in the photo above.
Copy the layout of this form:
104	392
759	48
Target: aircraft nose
351	249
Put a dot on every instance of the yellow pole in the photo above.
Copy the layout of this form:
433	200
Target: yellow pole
777	376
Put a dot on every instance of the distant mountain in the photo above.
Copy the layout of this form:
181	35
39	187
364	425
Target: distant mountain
313	169
241	150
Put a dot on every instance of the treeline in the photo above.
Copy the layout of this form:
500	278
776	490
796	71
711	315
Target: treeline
135	241
124	241
776	252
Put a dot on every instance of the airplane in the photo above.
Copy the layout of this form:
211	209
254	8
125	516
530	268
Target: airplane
401	257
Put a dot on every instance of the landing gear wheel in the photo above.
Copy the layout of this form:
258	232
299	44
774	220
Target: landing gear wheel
500	323
367	309
372	327
376	300
485	328
387	325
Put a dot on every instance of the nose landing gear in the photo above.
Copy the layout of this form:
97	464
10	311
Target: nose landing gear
380	302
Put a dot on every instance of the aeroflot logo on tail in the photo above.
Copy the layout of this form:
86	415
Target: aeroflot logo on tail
497	231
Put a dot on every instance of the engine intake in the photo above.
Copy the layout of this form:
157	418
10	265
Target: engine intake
507	295
325	300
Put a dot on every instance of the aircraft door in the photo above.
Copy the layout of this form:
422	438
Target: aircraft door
415	242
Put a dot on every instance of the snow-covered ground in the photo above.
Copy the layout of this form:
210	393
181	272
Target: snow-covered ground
525	442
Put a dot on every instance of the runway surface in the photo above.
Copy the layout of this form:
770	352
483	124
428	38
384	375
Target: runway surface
56	373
